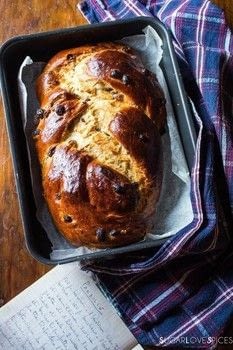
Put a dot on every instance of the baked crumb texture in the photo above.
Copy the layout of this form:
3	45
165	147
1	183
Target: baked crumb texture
98	142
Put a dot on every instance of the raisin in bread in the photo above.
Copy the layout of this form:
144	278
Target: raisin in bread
98	143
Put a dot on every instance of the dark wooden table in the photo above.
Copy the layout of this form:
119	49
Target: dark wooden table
17	269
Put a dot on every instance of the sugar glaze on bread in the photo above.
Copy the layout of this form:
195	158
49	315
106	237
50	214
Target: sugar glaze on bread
98	143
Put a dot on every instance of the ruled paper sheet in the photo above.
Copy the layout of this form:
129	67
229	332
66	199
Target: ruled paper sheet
63	310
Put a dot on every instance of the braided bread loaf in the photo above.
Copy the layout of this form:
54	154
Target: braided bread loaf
98	144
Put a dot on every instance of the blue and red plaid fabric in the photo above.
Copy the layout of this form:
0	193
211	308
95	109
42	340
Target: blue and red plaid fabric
182	293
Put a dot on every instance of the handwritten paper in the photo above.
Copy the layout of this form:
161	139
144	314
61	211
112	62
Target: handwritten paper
63	310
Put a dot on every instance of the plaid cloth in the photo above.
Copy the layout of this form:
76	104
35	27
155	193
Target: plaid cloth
182	293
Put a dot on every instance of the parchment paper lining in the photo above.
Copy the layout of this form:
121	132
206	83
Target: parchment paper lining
174	209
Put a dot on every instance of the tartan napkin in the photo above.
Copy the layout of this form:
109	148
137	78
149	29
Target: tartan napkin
182	293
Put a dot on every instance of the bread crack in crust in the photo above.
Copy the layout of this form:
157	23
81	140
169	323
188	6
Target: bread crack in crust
98	143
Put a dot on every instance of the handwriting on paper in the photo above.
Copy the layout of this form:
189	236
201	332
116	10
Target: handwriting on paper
63	310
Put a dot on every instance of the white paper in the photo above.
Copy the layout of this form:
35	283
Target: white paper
174	210
64	310
22	89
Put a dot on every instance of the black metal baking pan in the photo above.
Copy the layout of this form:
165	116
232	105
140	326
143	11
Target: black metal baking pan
40	47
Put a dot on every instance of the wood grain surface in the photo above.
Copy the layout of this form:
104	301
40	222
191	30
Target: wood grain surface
17	269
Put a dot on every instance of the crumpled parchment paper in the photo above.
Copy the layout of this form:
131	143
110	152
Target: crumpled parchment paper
174	209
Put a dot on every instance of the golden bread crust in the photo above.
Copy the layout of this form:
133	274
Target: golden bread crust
98	144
